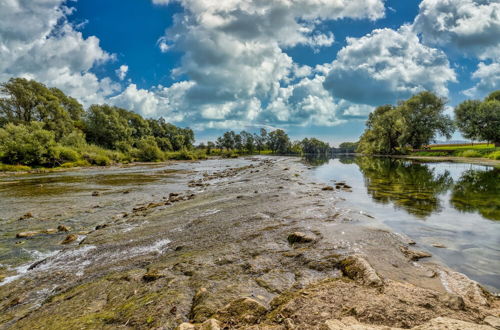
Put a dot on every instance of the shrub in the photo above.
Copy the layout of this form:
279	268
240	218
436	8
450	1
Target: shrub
61	154
494	155
100	160
74	139
26	144
470	153
147	150
14	168
79	163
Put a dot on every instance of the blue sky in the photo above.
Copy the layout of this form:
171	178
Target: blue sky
313	68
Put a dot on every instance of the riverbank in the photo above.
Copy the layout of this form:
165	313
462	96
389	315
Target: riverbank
251	243
470	160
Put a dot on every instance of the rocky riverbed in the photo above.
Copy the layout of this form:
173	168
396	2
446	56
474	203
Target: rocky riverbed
254	245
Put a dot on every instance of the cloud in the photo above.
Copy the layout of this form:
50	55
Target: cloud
488	76
234	53
468	26
37	42
387	65
121	72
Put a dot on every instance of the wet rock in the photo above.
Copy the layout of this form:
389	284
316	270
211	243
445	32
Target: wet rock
102	226
358	269
244	310
50	231
439	246
185	326
152	275
70	238
126	192
27	234
210	324
493	321
26	216
96	193
453	301
173	195
414	255
63	228
299	237
327	188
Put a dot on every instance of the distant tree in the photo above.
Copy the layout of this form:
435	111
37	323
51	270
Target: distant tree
148	150
105	126
279	142
423	117
210	147
314	146
480	120
384	127
238	142
349	145
228	140
248	141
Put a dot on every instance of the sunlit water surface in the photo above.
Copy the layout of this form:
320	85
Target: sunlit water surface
453	204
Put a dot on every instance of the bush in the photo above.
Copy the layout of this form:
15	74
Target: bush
147	150
61	154
495	155
79	163
14	168
74	139
26	144
470	153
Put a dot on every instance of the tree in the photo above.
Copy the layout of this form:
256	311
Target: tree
279	142
248	141
314	146
26	144
467	119
27	100
228	140
384	127
480	120
105	126
210	146
423	118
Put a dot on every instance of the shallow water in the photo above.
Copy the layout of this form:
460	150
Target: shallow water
453	204
66	198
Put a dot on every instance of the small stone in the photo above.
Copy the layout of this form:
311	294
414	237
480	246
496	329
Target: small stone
493	321
298	237
453	301
99	227
70	238
63	228
50	231
289	325
185	326
152	275
26	216
210	324
246	310
96	193
358	268
327	188
439	246
414	255
27	234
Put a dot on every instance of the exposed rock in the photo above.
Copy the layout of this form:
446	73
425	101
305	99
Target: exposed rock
493	321
96	193
438	245
63	228
299	237
50	231
350	323
414	255
210	324
185	326
357	268
27	234
453	301
152	275
99	227
243	310
327	188
26	216
70	238
445	323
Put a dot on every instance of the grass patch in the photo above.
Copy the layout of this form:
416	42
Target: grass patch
462	146
470	154
495	155
430	153
13	168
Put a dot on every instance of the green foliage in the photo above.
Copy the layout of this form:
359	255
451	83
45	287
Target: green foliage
74	139
314	146
414	122
61	154
430	153
147	150
470	153
13	168
26	144
495	155
279	142
480	120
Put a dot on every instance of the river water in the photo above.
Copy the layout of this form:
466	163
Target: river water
455	206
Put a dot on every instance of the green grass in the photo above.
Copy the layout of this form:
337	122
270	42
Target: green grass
430	153
13	168
462	146
470	153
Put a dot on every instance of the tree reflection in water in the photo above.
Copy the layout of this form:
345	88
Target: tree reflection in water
478	191
411	186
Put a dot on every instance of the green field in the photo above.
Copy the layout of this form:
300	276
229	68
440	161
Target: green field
462	146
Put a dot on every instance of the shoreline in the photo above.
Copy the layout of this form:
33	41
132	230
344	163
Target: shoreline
471	160
258	246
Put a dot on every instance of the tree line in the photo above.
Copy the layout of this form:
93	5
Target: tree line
415	122
276	142
42	126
